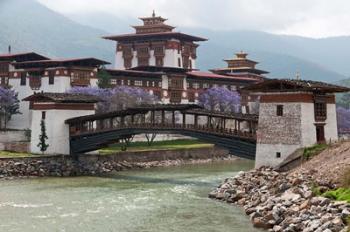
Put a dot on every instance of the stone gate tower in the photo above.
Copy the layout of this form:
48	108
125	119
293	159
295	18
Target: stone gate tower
293	114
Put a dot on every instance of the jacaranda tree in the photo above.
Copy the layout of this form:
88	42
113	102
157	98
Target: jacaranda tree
117	98
9	105
343	119
220	99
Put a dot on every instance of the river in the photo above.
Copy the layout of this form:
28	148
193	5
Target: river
172	199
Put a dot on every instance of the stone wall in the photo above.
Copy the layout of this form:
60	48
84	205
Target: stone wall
13	140
64	165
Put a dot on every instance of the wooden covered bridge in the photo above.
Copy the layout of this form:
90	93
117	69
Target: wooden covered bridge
233	131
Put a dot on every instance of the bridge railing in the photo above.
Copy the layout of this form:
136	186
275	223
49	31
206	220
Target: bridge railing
215	130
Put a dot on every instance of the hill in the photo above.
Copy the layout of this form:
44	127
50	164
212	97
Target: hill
30	26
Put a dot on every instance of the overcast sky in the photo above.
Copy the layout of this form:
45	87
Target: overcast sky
311	18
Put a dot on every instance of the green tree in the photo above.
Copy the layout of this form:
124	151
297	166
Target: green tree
104	79
43	137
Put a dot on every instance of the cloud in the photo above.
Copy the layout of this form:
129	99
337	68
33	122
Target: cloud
314	18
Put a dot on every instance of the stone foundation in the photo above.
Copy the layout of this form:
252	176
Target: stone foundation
64	165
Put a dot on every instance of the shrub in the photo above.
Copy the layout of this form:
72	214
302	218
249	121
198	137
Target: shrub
314	150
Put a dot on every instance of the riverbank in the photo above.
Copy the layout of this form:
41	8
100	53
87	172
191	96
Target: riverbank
295	200
95	164
283	202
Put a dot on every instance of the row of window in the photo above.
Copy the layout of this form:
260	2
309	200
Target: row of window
320	110
138	83
196	85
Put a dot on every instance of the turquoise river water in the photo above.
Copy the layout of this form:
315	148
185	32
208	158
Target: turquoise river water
172	199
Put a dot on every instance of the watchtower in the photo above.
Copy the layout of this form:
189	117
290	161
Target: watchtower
293	114
53	109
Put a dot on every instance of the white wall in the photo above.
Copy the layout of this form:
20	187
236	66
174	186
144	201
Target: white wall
119	62
22	121
57	131
308	129
266	154
331	129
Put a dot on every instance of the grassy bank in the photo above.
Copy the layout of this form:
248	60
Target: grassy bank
9	154
157	145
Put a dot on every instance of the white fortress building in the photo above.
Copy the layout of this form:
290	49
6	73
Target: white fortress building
28	73
155	44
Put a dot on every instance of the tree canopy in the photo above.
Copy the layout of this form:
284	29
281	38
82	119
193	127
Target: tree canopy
220	99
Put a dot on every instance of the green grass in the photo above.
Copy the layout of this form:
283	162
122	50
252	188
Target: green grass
10	154
158	145
314	150
340	194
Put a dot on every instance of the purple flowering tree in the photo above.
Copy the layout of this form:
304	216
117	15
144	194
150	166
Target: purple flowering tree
9	105
343	119
117	98
220	99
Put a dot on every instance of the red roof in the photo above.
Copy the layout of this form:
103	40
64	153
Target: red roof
217	76
168	35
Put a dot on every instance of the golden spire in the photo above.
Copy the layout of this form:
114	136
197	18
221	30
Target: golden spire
154	14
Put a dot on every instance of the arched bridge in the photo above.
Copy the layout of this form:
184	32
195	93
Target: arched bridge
233	131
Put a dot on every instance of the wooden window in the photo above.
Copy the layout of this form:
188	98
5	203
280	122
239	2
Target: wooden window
143	51
191	97
127	51
51	77
175	96
4	68
159	51
138	83
114	82
159	61
160	84
320	111
80	78
127	62
195	85
43	115
278	154
35	82
205	85
279	110
23	78
186	61
176	83
142	61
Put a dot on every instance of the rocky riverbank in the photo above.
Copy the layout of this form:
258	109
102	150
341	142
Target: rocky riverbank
284	201
86	165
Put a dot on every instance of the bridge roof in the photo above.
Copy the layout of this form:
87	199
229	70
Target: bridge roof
133	111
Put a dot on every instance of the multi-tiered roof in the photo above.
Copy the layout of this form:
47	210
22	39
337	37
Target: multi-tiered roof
154	27
238	65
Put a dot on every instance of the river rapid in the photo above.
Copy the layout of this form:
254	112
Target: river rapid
172	199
